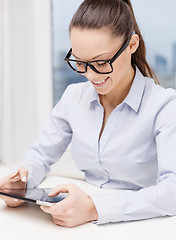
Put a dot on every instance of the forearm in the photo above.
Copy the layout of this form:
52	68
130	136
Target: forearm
154	201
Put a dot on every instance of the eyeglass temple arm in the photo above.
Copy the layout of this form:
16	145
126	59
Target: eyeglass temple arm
68	54
124	46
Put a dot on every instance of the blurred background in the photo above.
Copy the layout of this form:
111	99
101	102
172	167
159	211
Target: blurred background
34	40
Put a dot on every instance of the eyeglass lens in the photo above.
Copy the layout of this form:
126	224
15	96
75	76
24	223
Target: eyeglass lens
100	66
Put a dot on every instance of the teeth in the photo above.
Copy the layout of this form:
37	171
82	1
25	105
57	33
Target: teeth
100	82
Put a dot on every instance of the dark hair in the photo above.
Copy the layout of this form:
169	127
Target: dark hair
119	16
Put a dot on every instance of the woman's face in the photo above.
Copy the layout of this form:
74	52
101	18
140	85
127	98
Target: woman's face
90	44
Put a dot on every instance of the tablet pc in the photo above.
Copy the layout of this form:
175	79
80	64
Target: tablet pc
34	195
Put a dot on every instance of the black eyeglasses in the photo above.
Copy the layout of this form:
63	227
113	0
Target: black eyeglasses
98	66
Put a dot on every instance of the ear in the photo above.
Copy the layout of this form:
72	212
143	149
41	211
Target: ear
134	43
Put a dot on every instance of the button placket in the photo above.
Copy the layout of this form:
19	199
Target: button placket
108	129
99	123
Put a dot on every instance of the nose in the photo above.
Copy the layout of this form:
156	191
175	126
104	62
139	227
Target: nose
90	74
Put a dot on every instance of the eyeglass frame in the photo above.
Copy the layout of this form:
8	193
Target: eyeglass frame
88	64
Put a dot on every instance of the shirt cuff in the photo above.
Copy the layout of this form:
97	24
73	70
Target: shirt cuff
108	206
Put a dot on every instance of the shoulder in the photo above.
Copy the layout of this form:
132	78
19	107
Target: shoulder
162	102
158	98
76	89
75	95
77	92
157	92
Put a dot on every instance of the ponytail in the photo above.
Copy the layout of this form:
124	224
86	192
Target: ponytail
119	16
139	57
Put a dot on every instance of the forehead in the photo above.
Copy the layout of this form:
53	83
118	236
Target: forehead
87	43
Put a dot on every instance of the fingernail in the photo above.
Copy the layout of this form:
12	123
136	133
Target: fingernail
24	179
15	200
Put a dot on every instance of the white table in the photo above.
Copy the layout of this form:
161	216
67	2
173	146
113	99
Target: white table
29	222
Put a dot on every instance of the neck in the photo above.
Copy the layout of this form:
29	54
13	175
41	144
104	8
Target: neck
119	93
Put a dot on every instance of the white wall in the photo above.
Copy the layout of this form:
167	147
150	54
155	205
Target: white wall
27	75
0	80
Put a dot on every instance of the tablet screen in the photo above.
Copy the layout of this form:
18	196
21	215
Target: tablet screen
33	194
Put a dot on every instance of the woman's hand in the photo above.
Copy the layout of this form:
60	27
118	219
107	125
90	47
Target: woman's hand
14	181
77	208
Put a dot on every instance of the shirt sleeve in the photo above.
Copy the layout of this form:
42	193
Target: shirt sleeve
154	201
52	143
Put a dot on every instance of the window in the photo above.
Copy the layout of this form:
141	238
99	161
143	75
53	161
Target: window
155	19
62	12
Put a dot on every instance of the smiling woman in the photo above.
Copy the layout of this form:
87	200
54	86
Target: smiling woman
121	125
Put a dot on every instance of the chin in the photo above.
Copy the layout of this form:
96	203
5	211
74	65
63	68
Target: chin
102	91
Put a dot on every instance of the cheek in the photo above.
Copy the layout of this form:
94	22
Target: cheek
121	65
124	60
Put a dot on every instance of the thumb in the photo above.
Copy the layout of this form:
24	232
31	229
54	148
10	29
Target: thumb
66	188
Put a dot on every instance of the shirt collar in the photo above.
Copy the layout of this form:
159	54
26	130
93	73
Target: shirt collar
134	97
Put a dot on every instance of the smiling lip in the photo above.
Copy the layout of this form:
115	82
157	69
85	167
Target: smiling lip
101	83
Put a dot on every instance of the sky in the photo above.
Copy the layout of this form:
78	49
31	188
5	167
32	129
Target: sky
156	19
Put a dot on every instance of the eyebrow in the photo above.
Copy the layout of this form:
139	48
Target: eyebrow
93	57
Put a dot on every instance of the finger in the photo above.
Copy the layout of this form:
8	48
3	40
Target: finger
46	209
14	174
57	208
11	202
4	182
14	203
66	188
20	174
15	179
60	208
2	197
64	223
59	222
23	174
57	190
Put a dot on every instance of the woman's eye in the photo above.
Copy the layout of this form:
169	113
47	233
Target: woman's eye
101	64
78	64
